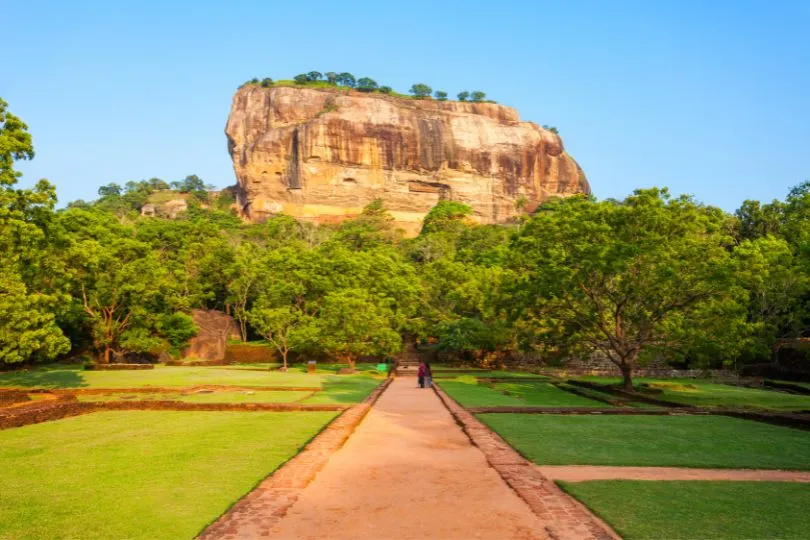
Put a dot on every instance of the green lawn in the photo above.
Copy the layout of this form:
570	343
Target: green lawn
140	474
76	377
688	510
675	441
708	394
343	390
470	393
238	396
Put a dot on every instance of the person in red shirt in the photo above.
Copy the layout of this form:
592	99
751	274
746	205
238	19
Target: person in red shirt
421	374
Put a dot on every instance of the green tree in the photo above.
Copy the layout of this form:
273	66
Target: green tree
366	84
331	77
28	298
28	329
463	96
352	324
625	279
420	90
386	89
301	79
446	215
346	79
267	82
110	190
314	76
177	328
440	95
278	326
552	129
755	220
478	95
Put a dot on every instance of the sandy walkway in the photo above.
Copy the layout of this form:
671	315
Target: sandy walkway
408	471
584	473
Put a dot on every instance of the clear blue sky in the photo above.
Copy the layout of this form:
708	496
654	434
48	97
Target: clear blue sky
708	97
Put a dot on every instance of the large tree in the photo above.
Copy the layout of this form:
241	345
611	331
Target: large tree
626	279
28	298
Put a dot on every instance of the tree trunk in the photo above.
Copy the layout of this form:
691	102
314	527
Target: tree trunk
106	354
627	374
284	359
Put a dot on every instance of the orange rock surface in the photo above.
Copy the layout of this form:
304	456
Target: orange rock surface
321	154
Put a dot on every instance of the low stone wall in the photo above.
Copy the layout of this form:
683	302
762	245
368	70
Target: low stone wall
117	367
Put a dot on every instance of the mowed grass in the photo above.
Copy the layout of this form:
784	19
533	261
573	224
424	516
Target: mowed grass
708	394
674	441
470	393
172	376
688	510
140	474
236	396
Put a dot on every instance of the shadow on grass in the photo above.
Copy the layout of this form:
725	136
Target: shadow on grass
344	390
45	377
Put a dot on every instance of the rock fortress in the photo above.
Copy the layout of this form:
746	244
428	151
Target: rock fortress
321	154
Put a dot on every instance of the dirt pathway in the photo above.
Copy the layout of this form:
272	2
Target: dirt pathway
408	471
584	473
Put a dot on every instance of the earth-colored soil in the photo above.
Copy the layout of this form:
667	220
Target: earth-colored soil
585	473
408	472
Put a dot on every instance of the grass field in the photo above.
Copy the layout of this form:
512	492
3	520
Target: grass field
140	474
76	377
707	394
470	393
687	510
675	441
236	396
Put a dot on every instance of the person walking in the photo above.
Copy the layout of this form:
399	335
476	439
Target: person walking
420	373
428	376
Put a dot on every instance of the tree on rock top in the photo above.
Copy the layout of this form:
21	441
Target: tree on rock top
420	90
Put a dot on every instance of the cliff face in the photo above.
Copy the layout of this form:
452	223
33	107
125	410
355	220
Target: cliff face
324	154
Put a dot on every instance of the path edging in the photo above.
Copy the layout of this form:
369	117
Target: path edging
565	517
276	494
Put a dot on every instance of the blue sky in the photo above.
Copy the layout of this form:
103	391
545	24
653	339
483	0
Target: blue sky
706	97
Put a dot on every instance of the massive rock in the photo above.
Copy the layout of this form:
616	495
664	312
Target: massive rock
322	154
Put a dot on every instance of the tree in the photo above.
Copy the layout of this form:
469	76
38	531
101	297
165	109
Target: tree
777	288
463	96
122	286
29	297
444	216
478	96
386	89
110	190
366	84
267	82
157	184
314	76
301	79
331	77
372	228
552	129
352	324
346	79
245	278
628	279
440	95
28	327
420	90
177	328
755	220
278	326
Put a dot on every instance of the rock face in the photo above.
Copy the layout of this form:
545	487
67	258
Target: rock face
323	154
212	339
